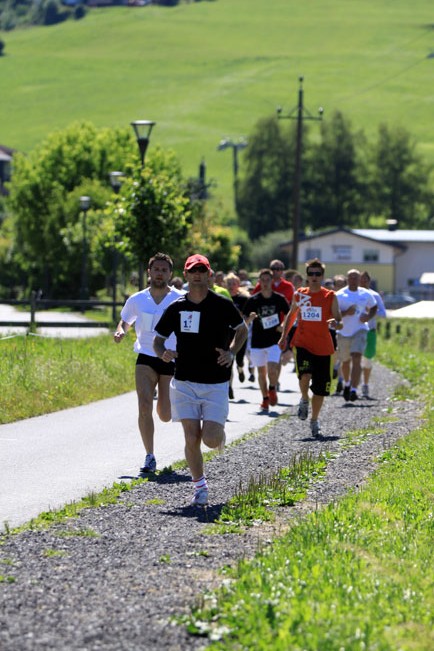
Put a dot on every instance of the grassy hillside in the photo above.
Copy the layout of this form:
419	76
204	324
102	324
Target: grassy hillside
209	69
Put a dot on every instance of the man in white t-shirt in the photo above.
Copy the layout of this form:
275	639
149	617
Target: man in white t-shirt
357	306
144	309
371	345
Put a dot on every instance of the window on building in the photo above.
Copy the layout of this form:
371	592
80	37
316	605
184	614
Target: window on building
310	254
342	252
371	255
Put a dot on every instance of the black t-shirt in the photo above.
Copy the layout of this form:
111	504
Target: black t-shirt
200	328
269	311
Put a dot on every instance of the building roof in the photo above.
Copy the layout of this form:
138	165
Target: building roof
395	237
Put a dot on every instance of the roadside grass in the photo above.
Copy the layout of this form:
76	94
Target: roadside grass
367	59
356	575
257	500
40	375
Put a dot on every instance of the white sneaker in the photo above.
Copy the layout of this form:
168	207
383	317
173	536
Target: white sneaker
365	390
150	464
200	497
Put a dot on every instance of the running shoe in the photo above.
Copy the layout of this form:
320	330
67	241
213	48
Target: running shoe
241	375
315	428
273	397
252	375
200	497
339	388
353	395
150	464
365	391
303	409
265	403
346	393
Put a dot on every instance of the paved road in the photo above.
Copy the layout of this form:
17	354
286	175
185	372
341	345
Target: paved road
48	461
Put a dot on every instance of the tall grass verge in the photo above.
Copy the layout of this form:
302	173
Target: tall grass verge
356	575
41	375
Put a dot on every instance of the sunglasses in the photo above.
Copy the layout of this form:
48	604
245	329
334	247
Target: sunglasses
200	268
318	274
276	268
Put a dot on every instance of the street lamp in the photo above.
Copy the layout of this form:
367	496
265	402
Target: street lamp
235	145
115	182
299	113
84	290
142	130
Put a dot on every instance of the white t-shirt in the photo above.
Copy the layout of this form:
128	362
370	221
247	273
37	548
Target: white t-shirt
363	300
144	312
381	310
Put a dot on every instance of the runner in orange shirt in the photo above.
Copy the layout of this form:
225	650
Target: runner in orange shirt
316	309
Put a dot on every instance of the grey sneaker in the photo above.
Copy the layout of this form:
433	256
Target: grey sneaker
365	391
315	428
150	464
303	409
200	497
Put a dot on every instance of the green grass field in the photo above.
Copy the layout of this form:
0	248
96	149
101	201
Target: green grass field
209	69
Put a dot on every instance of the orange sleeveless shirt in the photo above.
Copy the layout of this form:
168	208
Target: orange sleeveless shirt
314	309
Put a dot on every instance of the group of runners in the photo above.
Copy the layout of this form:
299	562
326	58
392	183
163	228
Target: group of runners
189	339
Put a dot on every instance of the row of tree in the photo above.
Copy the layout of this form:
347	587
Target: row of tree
346	180
43	234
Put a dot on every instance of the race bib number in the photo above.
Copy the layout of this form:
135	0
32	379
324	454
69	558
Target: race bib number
311	313
146	321
270	321
190	321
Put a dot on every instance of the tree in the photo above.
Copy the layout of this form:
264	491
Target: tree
333	178
264	197
153	212
44	201
400	185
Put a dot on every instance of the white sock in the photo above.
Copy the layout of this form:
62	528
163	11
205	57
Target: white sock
200	483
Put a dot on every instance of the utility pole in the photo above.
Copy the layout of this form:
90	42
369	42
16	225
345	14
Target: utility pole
298	113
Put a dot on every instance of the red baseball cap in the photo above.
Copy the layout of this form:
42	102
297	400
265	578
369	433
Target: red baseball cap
195	260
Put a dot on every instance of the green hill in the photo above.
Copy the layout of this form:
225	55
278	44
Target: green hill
209	69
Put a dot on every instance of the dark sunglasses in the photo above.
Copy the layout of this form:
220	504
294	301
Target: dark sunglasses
318	274
200	268
276	268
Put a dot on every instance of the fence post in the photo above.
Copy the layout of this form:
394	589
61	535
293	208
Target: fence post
387	335
32	310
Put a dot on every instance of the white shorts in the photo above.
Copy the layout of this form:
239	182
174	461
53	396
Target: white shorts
198	401
354	344
261	356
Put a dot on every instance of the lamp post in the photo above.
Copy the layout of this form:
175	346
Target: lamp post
115	182
235	145
299	113
142	131
84	290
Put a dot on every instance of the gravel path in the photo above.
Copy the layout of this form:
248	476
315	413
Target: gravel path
149	559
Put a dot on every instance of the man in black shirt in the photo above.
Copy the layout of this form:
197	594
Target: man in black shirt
209	332
266	311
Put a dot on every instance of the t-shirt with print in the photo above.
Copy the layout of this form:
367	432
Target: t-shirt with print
314	309
363	300
270	313
200	328
144	312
